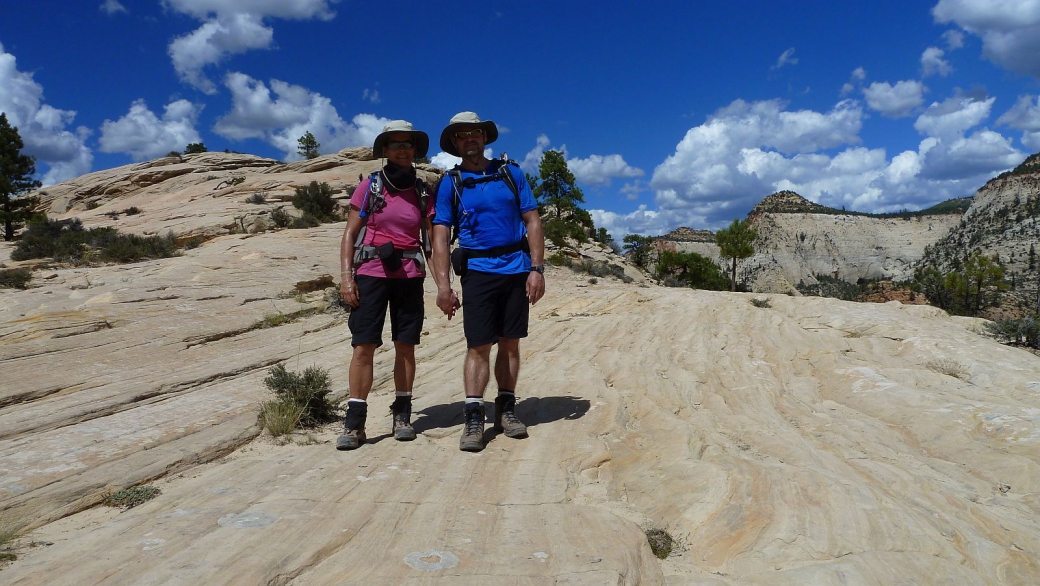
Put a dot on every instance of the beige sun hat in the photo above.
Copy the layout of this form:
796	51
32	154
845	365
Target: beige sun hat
419	138
466	119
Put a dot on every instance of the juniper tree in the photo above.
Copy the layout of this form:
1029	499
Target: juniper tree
195	147
307	146
556	186
735	243
16	178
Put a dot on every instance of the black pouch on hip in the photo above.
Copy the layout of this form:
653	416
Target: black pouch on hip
459	261
390	258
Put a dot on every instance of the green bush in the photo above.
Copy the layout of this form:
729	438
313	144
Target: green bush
557	230
689	269
309	391
67	241
660	542
129	498
1017	332
15	278
257	198
307	220
316	200
281	218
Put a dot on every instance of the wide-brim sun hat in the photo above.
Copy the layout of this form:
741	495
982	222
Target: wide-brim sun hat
419	138
466	119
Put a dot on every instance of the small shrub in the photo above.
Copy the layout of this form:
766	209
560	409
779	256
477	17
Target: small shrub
132	210
559	259
593	280
1017	332
281	218
10	529
760	302
660	542
129	498
272	320
310	391
67	241
315	200
948	367
257	198
15	278
307	220
280	417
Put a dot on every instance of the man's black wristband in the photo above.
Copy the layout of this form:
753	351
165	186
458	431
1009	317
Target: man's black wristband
538	269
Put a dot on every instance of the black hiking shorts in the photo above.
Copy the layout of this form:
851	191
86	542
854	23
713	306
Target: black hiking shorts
404	297
494	306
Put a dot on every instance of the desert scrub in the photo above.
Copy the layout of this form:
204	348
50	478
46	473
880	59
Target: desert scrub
309	391
15	278
129	498
68	241
760	302
257	198
948	367
660	542
281	218
10	529
280	417
315	201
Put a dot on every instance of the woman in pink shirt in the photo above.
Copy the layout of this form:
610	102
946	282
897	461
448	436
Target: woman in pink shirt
385	271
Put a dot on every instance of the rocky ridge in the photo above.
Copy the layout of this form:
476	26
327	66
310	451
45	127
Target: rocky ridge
779	439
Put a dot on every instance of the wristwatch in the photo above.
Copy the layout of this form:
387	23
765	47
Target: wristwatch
538	269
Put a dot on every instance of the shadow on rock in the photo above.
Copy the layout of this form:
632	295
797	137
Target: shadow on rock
532	411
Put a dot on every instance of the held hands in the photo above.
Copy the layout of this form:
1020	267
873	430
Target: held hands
448	302
348	291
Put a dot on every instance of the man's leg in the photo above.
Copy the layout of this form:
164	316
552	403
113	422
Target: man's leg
477	372
507	372
404	376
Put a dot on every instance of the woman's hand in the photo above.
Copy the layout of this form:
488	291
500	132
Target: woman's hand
348	291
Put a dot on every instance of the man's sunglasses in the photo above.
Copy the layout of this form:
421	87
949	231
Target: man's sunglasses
462	134
399	145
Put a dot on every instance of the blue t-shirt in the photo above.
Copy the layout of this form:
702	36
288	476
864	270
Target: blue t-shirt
488	217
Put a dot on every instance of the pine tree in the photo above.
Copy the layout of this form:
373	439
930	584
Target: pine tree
735	243
556	187
16	178
195	147
308	146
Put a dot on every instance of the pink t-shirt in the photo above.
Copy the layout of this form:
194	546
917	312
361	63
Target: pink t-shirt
398	222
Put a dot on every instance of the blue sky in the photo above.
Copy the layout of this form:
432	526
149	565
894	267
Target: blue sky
670	113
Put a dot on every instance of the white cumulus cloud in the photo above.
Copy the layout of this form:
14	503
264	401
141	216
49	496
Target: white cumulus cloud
143	135
292	111
951	118
894	101
111	7
231	27
932	62
1009	29
43	128
1025	116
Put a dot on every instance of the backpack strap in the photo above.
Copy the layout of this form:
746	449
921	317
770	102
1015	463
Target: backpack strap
374	202
502	173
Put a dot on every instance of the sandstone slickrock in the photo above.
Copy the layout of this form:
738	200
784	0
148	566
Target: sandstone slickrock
809	441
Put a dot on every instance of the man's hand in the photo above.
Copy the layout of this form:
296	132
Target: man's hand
448	301
535	287
348	291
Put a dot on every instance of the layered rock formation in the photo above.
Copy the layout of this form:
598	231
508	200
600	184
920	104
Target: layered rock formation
780	440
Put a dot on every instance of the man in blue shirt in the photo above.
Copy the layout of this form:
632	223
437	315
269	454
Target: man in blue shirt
499	256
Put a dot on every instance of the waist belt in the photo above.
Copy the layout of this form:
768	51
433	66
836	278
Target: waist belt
499	250
367	253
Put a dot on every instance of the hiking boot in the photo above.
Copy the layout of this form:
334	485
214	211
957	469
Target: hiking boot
353	427
351	439
402	425
506	421
473	430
